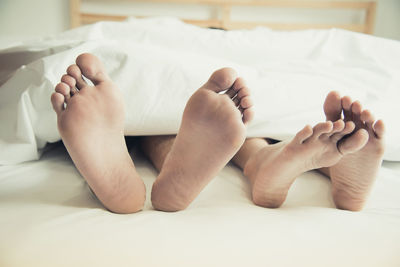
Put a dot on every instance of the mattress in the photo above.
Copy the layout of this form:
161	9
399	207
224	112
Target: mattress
50	218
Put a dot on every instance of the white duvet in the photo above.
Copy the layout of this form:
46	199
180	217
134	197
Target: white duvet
158	63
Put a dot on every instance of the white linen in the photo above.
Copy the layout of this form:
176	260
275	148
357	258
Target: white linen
48	218
158	63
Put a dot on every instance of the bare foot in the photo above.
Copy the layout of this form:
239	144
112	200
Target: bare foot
211	132
91	125
354	175
273	169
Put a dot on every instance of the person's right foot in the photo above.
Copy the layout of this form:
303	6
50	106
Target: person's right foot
211	132
354	175
273	169
91	125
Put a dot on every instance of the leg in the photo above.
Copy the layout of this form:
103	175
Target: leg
249	148
272	169
354	175
211	132
156	148
91	125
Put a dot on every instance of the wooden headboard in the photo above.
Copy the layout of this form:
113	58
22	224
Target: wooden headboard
224	20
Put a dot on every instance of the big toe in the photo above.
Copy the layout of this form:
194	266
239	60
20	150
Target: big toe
333	106
92	68
221	79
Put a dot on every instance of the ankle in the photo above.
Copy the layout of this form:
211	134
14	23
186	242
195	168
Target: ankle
250	168
250	147
251	165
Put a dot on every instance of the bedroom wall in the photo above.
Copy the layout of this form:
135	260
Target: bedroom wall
19	18
26	19
388	19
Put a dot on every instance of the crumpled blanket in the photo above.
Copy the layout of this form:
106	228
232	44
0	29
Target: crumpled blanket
159	62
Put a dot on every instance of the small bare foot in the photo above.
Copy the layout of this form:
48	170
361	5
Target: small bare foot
354	175
211	132
273	169
91	124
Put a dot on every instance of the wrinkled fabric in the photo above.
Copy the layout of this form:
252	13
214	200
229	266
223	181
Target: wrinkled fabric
159	62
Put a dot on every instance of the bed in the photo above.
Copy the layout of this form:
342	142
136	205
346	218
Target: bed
49	217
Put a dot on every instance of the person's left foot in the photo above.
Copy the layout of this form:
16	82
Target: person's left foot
273	169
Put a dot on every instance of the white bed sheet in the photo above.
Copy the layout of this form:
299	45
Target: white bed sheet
48	217
151	60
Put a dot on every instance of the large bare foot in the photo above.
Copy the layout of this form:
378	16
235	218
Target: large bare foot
273	169
211	132
354	175
91	124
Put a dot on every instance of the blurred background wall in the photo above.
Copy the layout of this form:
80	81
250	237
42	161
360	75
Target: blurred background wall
24	19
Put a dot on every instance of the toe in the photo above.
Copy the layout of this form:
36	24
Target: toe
63	89
242	98
356	109
69	80
248	115
75	72
353	142
238	89
246	102
333	106
305	133
379	128
338	126
221	80
57	100
92	68
322	128
239	84
346	105
245	91
368	119
349	127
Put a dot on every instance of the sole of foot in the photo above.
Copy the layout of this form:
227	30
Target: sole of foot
274	168
211	132
354	175
91	124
